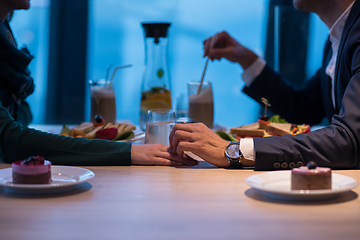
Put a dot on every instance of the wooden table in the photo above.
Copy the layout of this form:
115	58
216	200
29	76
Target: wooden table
155	202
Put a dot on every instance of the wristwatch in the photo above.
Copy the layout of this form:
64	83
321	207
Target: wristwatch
233	153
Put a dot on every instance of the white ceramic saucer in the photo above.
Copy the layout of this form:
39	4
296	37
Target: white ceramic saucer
64	179
277	184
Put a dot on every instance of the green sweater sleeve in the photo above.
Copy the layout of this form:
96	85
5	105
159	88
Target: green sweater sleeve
18	142
23	114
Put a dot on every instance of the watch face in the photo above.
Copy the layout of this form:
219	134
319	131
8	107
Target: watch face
232	151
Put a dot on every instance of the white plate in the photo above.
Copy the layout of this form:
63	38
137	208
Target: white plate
277	184
64	179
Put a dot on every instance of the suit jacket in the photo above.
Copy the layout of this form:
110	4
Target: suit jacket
337	145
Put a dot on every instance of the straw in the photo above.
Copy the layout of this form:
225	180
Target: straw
107	72
207	60
113	74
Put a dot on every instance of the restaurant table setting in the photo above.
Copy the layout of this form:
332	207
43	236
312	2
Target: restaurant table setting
162	202
159	202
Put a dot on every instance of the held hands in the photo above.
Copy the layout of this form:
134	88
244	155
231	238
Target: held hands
224	46
158	154
201	141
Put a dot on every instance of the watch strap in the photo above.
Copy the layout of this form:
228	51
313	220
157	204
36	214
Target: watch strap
235	163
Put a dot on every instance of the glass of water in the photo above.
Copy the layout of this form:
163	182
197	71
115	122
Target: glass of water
159	125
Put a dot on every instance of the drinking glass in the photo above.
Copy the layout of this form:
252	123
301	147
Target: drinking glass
102	100
201	104
159	125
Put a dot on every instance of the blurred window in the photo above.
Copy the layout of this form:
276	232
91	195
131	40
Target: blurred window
115	37
318	33
31	28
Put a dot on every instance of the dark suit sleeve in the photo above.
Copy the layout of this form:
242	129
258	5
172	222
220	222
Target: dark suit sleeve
337	145
296	105
18	142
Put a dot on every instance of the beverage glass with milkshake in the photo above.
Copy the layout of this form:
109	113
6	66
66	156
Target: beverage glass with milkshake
201	104
159	125
102	100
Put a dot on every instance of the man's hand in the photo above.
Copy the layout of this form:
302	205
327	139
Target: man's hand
224	46
158	154
201	141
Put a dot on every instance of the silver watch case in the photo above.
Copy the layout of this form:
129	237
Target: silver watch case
233	153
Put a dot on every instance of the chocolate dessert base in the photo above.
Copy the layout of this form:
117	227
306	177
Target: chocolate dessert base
310	181
44	178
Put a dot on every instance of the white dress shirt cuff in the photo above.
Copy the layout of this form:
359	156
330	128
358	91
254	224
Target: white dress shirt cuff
253	71
247	148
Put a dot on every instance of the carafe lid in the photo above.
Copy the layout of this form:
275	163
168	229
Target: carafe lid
155	30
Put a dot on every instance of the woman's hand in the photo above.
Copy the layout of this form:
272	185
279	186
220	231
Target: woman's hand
158	154
201	141
224	46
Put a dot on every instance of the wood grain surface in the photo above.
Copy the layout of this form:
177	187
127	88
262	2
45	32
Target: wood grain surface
155	202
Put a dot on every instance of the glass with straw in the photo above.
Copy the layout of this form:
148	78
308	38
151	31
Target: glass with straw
102	97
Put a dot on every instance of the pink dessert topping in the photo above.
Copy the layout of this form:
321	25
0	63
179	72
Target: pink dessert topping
32	165
34	160
305	169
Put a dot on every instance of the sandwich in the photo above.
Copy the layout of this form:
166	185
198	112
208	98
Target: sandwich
269	127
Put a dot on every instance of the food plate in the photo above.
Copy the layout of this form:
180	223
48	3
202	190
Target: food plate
277	184
64	179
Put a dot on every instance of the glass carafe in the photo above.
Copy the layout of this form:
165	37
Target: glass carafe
155	90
